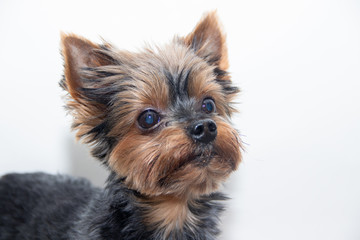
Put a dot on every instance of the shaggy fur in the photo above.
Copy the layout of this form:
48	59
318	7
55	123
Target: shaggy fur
160	120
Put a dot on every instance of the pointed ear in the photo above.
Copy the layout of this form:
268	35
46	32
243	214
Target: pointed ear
208	41
79	54
84	64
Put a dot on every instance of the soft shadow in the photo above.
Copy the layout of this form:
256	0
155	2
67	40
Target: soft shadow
82	164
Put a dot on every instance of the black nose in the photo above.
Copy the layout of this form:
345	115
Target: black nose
203	131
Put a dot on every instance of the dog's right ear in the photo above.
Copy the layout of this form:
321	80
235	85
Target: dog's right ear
79	55
85	65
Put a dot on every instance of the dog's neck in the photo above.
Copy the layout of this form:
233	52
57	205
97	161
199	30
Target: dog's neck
168	213
167	217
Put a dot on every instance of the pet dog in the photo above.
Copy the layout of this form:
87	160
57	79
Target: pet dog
159	119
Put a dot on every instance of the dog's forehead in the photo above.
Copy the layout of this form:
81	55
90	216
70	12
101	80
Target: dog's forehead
168	78
184	73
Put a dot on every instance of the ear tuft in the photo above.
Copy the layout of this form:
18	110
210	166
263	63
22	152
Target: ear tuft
209	41
79	54
90	92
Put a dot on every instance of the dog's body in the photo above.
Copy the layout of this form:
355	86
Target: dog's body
42	206
160	121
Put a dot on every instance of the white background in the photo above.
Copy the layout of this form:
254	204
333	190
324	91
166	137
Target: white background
297	63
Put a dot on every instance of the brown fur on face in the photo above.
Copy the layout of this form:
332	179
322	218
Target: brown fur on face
109	89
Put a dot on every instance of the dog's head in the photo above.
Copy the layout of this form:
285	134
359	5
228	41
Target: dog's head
159	118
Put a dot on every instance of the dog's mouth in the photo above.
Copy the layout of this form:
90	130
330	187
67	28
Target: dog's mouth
201	159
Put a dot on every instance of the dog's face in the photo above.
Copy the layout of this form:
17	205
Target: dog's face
158	118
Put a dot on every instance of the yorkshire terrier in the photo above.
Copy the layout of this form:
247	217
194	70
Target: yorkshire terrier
160	121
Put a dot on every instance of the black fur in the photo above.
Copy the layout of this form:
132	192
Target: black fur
178	83
42	206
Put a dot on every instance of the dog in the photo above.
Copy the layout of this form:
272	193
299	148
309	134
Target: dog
159	120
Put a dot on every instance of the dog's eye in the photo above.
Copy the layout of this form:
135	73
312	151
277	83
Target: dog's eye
148	119
208	105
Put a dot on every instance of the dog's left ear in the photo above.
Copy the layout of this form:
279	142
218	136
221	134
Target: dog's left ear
209	42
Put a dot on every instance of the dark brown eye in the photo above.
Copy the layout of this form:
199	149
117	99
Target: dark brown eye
148	119
208	106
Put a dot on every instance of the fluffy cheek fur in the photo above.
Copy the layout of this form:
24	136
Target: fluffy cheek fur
167	162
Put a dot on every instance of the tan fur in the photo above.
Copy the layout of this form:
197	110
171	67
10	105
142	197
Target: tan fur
167	213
